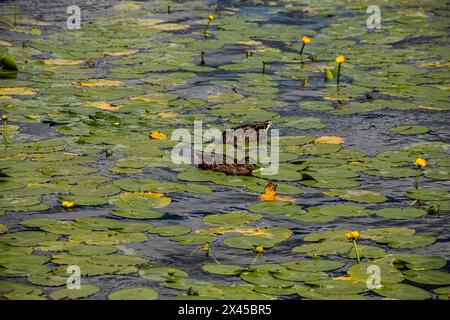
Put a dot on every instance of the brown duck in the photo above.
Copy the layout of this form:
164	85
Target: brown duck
227	165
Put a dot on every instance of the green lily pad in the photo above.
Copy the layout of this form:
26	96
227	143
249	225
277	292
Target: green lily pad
193	239
170	231
324	248
444	293
402	291
294	275
313	265
223	269
247	242
186	283
331	286
415	261
434	277
428	194
134	294
48	280
399	213
357	195
409	242
388	273
235	218
409	129
264	278
343	210
85	291
160	273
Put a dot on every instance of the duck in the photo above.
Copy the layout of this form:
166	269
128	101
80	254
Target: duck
228	165
243	130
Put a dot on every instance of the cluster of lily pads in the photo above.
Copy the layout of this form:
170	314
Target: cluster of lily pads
90	185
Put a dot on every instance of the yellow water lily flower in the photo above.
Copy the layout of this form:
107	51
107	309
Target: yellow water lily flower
351	235
420	162
206	247
4	117
306	39
67	204
340	59
259	250
211	17
157	135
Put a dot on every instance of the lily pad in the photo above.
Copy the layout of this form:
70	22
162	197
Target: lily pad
85	291
357	195
134	294
247	242
434	277
402	291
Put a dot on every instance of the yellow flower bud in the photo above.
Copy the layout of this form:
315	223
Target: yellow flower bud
306	39
4	117
259	250
340	59
171	271
211	18
420	162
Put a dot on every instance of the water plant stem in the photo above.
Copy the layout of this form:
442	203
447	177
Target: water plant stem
303	47
5	129
416	182
207	25
356	250
254	260
339	73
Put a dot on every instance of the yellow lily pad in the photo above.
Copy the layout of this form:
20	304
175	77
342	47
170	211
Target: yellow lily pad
103	105
18	91
100	83
120	53
62	62
329	140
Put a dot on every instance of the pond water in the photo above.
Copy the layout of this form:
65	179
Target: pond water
83	103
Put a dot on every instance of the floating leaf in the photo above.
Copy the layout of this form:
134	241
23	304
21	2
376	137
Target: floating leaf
409	129
235	218
85	291
247	242
357	195
434	277
134	294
